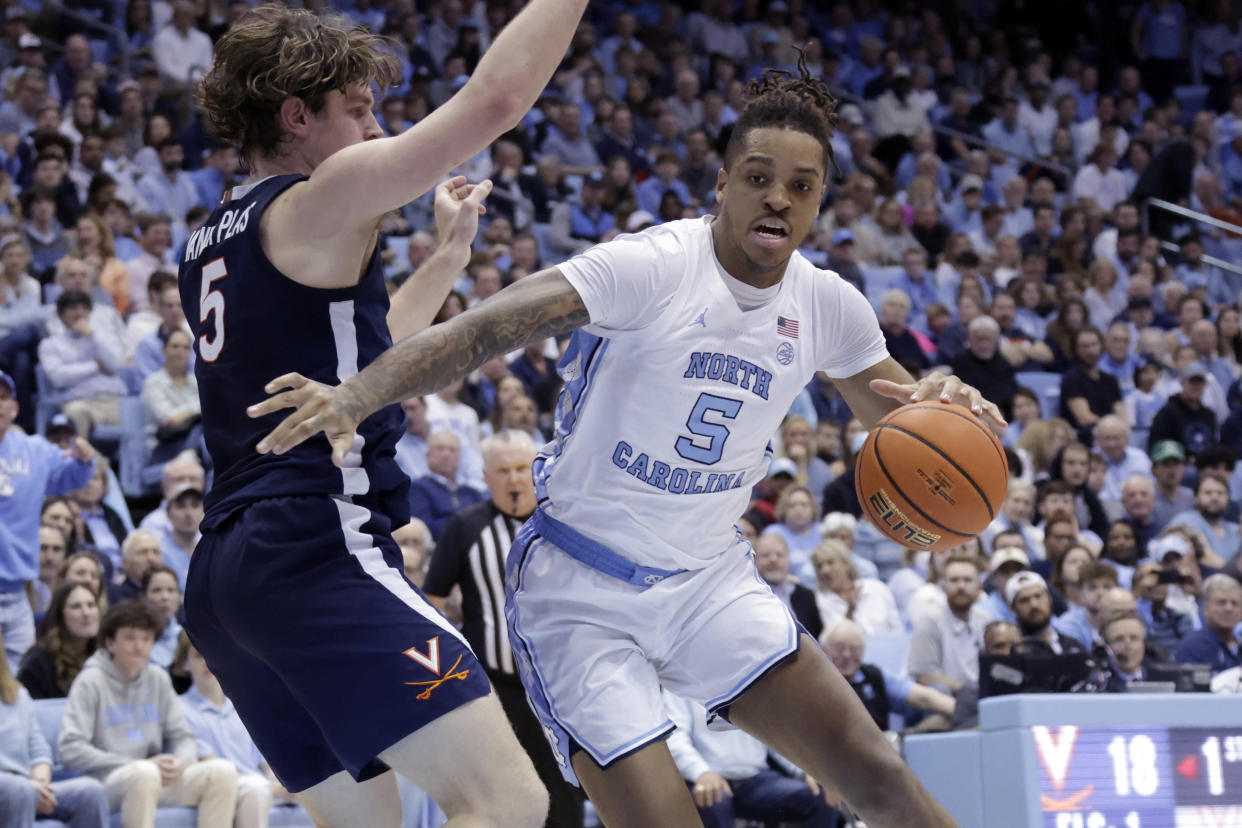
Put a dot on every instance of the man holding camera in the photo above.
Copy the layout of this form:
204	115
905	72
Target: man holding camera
1165	625
1217	643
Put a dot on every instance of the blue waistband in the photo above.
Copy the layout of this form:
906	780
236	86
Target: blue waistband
597	556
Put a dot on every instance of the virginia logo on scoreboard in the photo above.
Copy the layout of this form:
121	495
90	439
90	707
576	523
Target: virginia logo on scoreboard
1056	754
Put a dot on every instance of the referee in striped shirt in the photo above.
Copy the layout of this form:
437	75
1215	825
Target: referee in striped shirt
471	554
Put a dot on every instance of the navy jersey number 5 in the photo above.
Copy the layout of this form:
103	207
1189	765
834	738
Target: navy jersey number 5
211	302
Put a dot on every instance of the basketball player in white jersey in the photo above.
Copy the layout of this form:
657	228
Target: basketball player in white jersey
695	337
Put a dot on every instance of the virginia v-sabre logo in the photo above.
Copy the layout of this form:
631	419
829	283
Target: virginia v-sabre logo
431	660
1056	754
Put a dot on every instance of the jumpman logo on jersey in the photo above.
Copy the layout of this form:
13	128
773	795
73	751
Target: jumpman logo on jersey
700	320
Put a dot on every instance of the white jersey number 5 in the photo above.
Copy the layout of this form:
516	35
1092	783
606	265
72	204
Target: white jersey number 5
714	432
209	302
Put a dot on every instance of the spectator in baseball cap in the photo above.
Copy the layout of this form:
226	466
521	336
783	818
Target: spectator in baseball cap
1028	596
843	258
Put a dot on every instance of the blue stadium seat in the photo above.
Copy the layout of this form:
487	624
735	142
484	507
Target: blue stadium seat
870	544
547	256
1047	386
111	434
50	712
879	280
116	499
132	377
399	246
888	652
133	453
1192	97
44	408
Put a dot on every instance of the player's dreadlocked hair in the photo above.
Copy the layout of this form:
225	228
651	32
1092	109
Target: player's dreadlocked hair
783	101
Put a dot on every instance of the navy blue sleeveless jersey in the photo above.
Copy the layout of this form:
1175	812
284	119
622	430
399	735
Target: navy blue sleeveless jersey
251	324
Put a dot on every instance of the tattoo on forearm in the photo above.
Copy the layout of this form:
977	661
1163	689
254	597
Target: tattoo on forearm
433	358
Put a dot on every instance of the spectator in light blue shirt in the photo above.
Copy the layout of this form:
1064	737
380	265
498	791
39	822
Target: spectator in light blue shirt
1231	163
1208	516
1081	620
1165	625
170	191
1119	358
1216	644
922	161
1008	560
881	691
149	357
161	592
964	214
1086	93
31	469
218	172
219	732
1112	436
27	791
1019	220
1159	31
919	284
1007	134
651	191
185	512
1204	339
868	67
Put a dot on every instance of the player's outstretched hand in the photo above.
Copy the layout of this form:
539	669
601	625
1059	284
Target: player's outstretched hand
947	388
317	407
458	206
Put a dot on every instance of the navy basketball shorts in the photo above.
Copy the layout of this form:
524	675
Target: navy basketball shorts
301	608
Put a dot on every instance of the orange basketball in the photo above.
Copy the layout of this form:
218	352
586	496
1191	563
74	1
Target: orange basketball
931	475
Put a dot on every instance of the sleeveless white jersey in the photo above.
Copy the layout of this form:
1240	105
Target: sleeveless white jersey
672	394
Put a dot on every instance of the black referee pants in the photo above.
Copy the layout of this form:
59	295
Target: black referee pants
565	809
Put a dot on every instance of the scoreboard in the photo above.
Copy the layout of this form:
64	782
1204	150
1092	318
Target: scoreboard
1139	777
1107	760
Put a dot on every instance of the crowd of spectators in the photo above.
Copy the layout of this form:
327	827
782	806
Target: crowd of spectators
992	178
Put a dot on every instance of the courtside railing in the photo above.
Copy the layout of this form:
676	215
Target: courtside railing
1194	216
980	143
118	34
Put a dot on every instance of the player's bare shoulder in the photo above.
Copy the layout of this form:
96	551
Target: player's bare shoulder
311	258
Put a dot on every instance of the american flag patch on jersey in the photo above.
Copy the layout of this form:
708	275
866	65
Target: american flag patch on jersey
787	327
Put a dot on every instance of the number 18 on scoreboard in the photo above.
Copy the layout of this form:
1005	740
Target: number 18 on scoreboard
1137	777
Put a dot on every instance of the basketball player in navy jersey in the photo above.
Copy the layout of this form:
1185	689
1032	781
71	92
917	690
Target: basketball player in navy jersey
338	666
696	336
